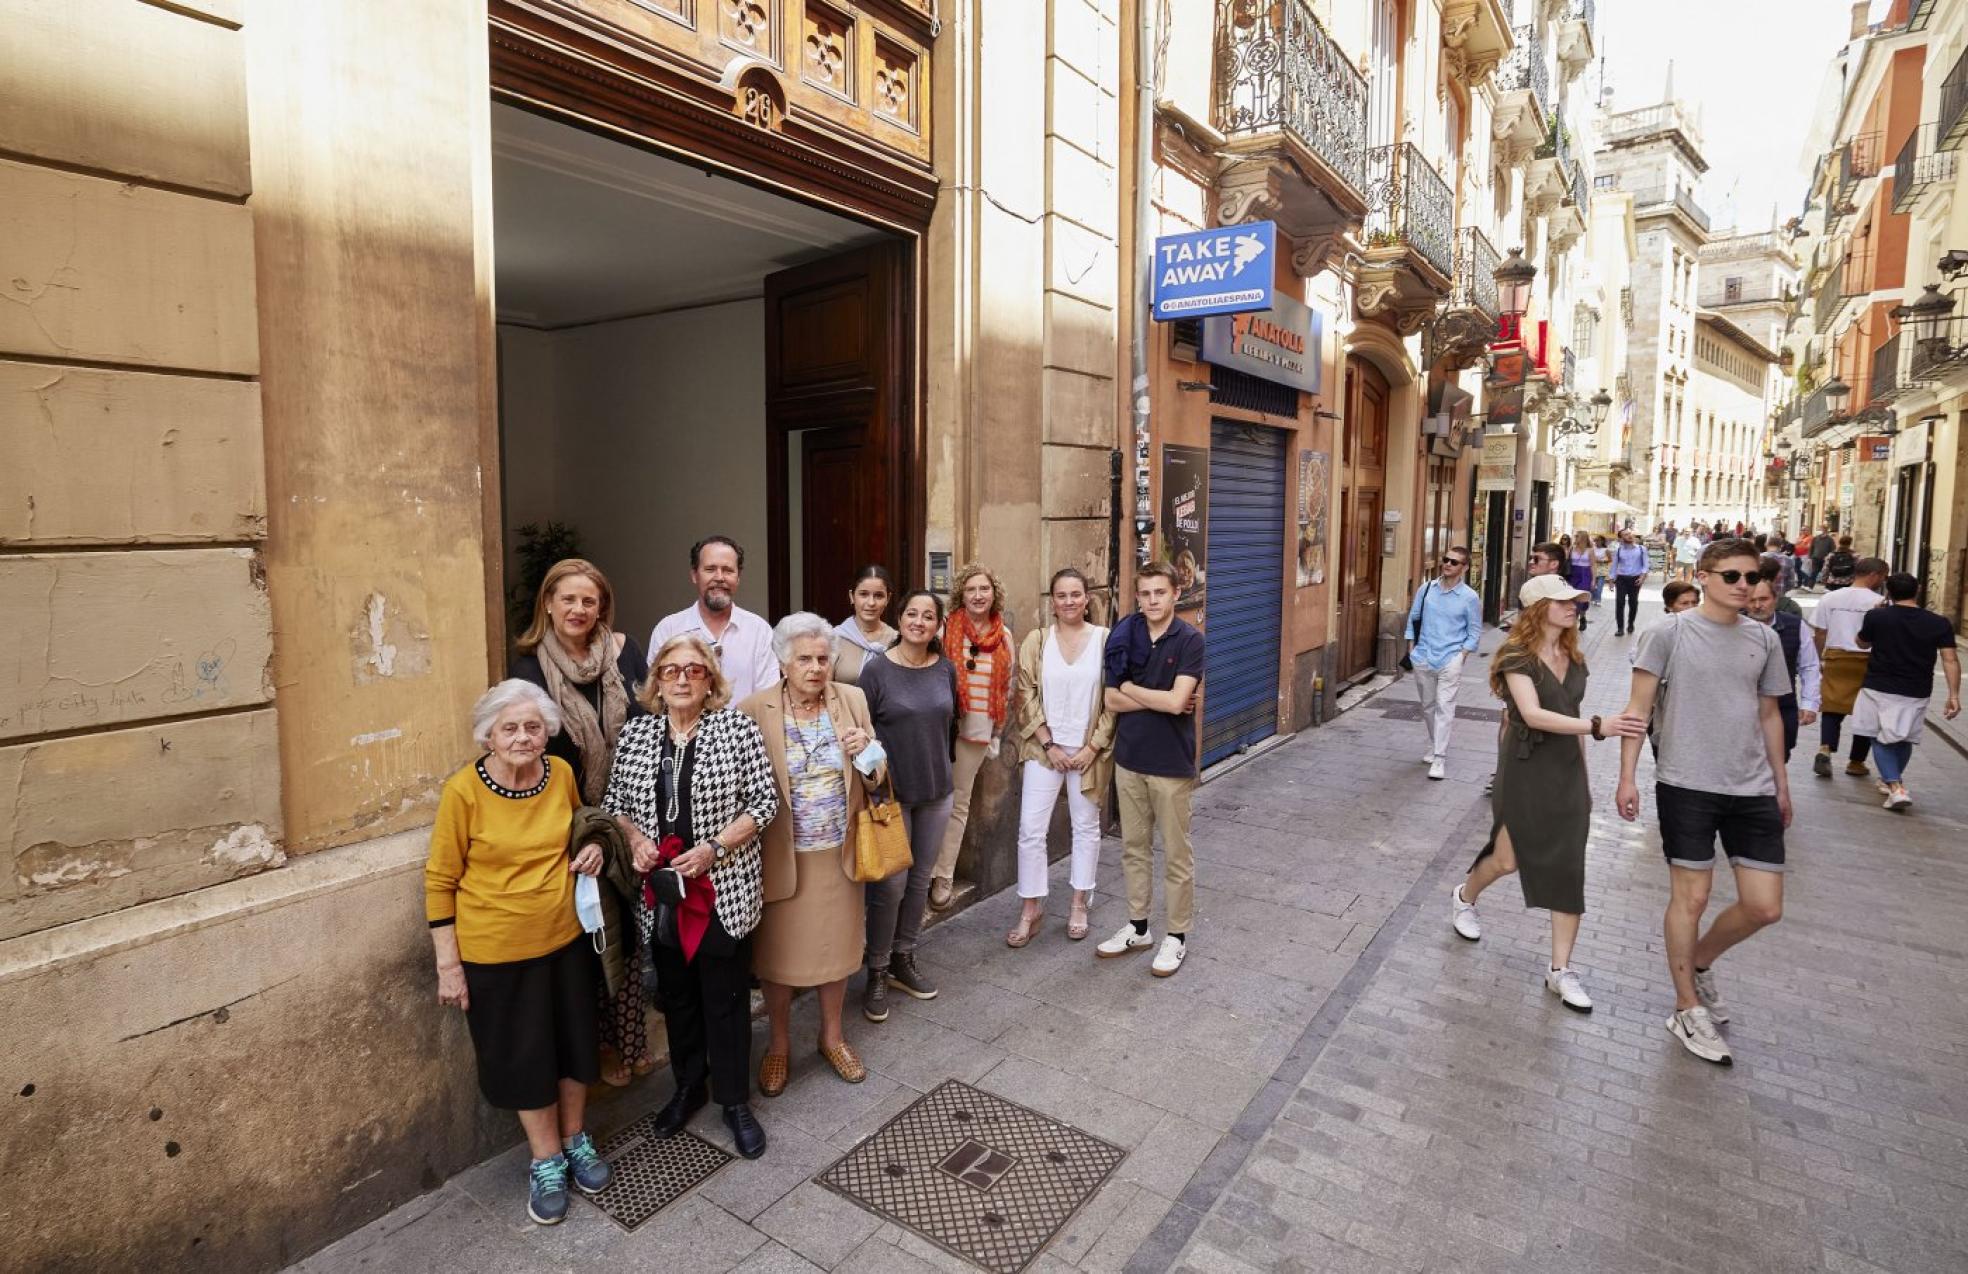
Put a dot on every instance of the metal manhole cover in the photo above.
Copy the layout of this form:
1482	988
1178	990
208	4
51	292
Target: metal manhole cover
983	1178
651	1173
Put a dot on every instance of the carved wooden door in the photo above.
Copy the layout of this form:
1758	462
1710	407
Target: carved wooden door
1365	452
839	374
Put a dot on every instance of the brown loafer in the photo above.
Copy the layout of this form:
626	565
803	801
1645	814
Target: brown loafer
772	1074
845	1063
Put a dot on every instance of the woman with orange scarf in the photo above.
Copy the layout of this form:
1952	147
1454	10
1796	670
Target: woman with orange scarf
978	640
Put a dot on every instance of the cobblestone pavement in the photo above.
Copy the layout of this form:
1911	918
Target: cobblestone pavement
1335	1081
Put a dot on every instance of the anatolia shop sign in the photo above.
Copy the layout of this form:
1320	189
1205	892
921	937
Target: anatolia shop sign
1279	344
1223	271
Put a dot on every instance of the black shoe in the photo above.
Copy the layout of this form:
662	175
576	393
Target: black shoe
874	996
1619	632
905	977
1821	765
687	1102
745	1130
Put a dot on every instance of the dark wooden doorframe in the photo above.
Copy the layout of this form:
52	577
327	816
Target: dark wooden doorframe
1369	402
840	354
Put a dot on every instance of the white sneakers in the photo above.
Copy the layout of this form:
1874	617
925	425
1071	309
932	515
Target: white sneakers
1696	1031
1169	958
1565	984
1462	916
1429	758
1125	942
1710	998
1436	770
1897	798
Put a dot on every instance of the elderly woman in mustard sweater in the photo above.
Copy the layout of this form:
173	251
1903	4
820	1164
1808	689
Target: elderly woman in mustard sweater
499	896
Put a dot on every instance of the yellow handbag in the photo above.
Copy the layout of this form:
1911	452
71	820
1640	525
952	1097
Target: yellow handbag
881	839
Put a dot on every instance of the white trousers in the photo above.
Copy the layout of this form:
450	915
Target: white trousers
1436	689
1041	793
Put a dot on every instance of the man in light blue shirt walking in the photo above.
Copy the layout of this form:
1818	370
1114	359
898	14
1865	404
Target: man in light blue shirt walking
1445	622
1629	570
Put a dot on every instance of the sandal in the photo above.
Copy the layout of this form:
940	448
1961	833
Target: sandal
614	1071
772	1074
1076	919
1028	928
846	1065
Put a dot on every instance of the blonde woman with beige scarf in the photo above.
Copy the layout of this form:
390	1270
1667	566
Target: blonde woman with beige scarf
591	672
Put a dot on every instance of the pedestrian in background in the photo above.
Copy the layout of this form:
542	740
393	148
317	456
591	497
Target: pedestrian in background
1842	567
977	638
499	896
1903	638
1687	548
1719	773
1629	572
1822	547
1800	706
913	701
1445	625
592	674
1582	566
1542	803
740	640
1066	740
1835	628
1602	567
1801	549
865	633
1153	666
692	789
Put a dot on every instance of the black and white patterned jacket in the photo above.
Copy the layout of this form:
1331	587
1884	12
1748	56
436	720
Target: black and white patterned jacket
729	776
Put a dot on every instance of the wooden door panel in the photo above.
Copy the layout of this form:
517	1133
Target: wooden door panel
840	514
839	370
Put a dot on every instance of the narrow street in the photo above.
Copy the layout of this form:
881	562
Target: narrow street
1336	1081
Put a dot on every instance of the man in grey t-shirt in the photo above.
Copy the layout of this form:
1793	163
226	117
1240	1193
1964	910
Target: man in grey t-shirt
1720	773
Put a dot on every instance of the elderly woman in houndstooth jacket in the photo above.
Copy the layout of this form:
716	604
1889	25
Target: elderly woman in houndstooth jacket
693	788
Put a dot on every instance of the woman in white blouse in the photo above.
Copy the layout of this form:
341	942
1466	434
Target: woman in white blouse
1066	739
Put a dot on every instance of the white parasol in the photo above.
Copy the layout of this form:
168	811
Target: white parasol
1591	502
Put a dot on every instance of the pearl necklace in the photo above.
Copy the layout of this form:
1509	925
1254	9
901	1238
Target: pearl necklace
672	766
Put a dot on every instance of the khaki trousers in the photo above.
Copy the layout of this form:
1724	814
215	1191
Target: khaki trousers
1149	801
963	778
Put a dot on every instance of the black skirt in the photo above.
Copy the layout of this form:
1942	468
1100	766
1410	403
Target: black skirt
533	1024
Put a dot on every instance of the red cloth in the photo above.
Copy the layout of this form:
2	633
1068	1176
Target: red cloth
699	896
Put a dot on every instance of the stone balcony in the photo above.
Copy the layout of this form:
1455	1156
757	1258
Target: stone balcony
1410	237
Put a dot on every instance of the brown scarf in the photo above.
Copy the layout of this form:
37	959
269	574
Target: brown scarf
593	739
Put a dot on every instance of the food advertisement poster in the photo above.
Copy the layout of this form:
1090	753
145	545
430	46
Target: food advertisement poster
1185	522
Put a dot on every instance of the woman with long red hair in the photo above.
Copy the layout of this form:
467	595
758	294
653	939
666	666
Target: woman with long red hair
977	640
1541	798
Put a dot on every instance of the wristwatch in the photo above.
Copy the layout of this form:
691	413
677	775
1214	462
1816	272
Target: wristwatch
1595	729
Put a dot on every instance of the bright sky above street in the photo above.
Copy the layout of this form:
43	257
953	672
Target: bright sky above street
1753	67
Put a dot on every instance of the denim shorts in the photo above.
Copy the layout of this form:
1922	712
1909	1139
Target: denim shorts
1751	828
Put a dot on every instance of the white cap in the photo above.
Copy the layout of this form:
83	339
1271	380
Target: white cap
1540	588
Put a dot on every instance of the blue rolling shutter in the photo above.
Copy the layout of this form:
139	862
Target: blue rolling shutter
1246	565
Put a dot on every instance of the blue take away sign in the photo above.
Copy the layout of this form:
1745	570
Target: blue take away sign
1223	271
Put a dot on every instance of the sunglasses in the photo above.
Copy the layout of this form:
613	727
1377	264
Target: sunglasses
1453	561
970	658
1733	577
683	672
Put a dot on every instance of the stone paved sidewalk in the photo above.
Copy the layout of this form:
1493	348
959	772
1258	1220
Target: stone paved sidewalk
1335	1081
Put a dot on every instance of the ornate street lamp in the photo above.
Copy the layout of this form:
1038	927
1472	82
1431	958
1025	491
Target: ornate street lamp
1836	391
1513	280
1927	318
1601	402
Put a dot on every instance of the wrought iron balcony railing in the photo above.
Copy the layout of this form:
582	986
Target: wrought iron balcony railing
1947	350
1919	166
1580	191
1887	383
1568	372
1408	202
1818	414
1524	68
1475	274
1953	123
1858	159
1277	68
1557	143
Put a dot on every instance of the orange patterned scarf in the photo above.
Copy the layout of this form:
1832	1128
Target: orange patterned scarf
994	640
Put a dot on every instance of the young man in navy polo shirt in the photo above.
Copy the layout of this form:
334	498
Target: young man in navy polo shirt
1154	666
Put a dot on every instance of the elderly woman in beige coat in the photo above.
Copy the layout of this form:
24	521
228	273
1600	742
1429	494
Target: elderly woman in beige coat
815	920
1065	738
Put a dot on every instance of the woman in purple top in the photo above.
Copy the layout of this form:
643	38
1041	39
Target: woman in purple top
1578	573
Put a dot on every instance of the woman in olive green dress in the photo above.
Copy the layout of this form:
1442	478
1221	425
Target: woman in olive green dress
1542	802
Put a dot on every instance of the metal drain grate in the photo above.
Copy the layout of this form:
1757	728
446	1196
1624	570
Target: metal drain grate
1409	710
652	1173
983	1178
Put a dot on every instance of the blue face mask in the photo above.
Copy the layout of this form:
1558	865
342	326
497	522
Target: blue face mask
587	902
